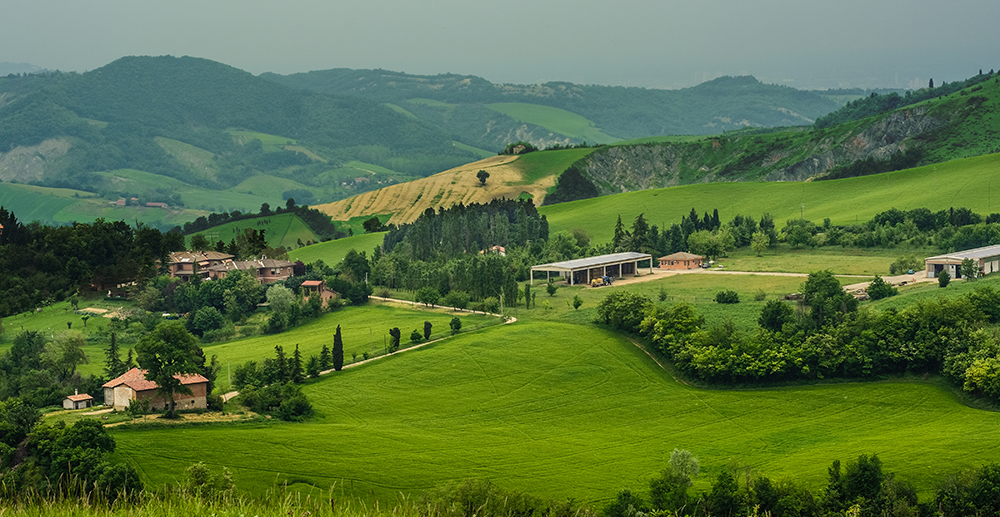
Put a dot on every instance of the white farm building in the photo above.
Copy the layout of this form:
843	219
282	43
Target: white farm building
987	258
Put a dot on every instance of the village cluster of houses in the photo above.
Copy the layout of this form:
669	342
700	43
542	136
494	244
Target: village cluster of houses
215	265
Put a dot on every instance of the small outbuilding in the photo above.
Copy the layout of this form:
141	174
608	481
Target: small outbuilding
318	287
681	260
78	401
987	258
581	271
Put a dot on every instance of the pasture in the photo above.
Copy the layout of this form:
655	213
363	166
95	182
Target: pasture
332	252
364	329
554	119
279	230
563	410
965	182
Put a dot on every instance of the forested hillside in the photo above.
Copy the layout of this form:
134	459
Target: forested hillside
207	125
722	104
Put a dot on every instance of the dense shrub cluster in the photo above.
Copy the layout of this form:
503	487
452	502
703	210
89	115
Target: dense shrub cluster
829	339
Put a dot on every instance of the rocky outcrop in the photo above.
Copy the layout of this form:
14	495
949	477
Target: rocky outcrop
882	139
617	169
24	164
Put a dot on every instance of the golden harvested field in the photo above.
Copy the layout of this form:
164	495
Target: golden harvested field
406	201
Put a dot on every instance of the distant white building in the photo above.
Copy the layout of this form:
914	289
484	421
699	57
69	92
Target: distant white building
987	258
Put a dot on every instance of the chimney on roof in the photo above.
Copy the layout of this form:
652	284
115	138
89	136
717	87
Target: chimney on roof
76	391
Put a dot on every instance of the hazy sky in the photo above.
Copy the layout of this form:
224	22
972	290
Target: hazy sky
652	43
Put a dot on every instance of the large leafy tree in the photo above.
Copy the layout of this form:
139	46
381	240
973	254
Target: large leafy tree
169	351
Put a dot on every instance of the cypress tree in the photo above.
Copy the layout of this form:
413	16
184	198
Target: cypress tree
325	361
527	295
282	363
129	362
427	330
113	365
296	366
338	351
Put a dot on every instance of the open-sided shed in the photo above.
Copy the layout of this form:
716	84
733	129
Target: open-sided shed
582	270
987	258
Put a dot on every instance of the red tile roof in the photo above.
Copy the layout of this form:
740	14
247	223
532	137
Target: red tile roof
136	379
312	283
79	398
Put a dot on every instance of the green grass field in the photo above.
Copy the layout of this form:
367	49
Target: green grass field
30	203
332	252
554	119
279	230
482	153
538	165
271	143
363	329
966	182
563	410
195	159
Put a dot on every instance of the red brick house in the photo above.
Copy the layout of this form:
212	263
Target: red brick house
681	260
133	385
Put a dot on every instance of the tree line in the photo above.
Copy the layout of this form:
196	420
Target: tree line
40	264
826	337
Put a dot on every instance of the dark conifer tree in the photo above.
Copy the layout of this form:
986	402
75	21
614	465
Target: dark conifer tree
129	361
716	224
325	359
297	372
282	363
338	351
113	365
427	330
619	238
693	217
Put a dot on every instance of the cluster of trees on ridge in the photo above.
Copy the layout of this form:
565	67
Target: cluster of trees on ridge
875	104
43	264
828	336
318	222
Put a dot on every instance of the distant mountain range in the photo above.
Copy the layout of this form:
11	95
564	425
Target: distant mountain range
19	68
206	127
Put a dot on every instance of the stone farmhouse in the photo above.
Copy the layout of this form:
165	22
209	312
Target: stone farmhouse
183	263
212	264
265	270
133	385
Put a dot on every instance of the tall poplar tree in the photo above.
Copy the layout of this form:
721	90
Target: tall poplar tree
338	351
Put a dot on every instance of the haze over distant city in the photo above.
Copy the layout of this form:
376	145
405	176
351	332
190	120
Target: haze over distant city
648	43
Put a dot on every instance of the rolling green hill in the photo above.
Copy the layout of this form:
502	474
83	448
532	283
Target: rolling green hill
562	411
963	124
332	252
207	125
554	119
966	182
722	104
286	230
